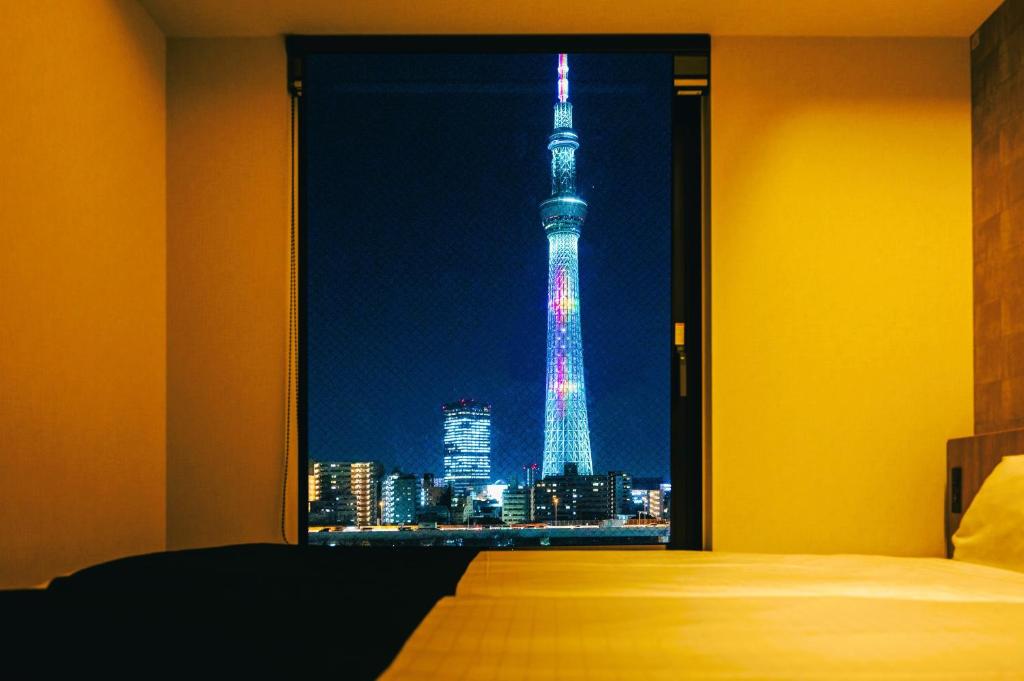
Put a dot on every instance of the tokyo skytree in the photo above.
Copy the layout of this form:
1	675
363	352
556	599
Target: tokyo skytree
566	429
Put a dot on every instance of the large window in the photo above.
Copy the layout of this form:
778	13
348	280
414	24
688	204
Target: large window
488	296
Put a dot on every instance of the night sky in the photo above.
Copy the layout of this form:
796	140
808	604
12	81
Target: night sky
427	268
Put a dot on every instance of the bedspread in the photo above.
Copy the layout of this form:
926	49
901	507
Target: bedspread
687	615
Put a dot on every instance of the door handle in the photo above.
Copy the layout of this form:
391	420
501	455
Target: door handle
680	343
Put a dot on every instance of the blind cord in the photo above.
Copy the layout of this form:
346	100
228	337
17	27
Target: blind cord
292	328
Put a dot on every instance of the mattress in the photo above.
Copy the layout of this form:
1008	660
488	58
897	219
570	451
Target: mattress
692	574
694	615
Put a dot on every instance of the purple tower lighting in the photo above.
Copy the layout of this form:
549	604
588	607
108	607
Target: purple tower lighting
566	429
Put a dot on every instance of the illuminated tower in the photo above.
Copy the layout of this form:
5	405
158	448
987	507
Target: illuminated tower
566	430
467	445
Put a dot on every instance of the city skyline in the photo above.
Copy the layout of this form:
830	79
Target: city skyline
361	493
521	474
453	161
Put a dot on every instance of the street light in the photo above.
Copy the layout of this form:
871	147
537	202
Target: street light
554	500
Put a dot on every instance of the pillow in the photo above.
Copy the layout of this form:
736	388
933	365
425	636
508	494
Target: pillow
992	530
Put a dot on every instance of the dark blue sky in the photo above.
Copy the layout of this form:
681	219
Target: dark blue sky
427	268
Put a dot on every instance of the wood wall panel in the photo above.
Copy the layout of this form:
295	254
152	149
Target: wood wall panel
997	97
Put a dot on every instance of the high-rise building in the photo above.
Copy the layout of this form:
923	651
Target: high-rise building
311	489
332	500
620	497
652	498
649	497
366	487
577	497
529	474
467	445
345	492
401	497
654	507
425	487
566	429
666	500
517	506
641	502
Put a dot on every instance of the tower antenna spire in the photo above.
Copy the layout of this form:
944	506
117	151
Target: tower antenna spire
563	78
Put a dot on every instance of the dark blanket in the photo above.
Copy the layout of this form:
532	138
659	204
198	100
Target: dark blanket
346	611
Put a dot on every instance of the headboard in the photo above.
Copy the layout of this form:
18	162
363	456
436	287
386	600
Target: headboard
969	460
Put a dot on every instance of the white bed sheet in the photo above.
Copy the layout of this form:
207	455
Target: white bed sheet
681	615
691	574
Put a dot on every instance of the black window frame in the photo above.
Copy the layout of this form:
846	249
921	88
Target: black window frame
688	362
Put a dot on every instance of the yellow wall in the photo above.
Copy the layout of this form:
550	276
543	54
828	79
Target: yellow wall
841	289
841	279
227	255
82	318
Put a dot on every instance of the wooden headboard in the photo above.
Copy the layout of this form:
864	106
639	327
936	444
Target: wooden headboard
969	460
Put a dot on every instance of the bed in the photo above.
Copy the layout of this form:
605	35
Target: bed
710	615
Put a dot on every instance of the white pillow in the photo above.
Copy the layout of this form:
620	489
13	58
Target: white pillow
992	530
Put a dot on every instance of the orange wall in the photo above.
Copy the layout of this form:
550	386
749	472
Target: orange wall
841	279
841	289
227	254
82	346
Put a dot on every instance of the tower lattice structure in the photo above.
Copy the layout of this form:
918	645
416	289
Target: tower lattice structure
566	428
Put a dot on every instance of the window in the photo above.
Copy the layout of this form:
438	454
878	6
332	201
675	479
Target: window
495	248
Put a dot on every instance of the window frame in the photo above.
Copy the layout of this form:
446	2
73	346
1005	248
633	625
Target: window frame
688	363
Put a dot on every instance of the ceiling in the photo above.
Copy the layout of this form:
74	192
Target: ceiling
209	18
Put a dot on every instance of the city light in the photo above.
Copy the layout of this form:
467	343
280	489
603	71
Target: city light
467	445
563	77
562	501
566	425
